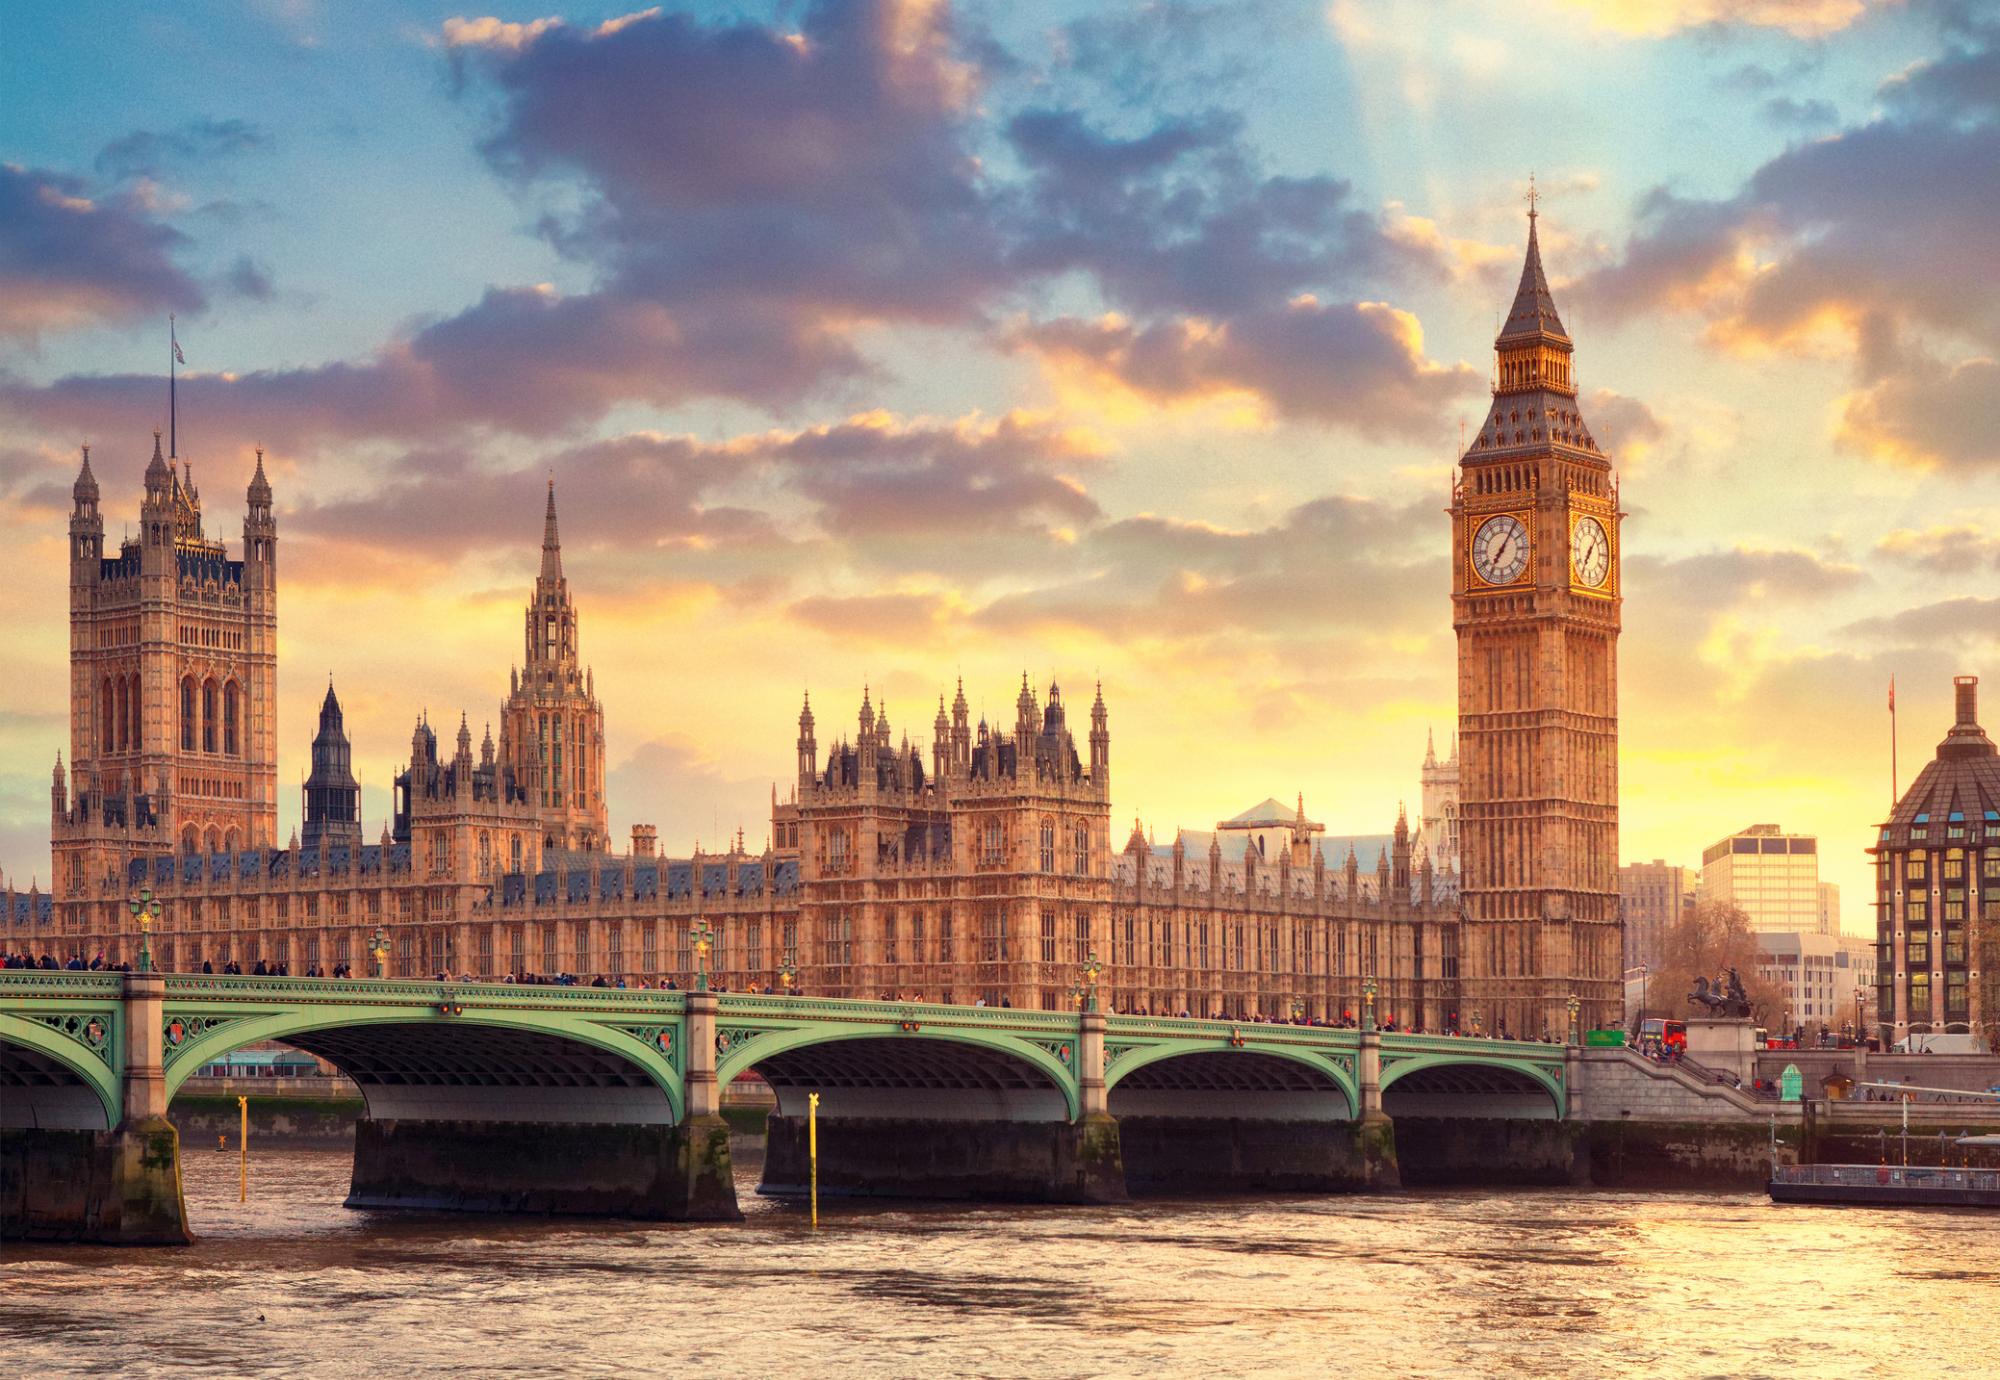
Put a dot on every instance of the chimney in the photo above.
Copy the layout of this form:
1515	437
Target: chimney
1968	700
644	840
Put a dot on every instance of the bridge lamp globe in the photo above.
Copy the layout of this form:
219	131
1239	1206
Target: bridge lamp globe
788	974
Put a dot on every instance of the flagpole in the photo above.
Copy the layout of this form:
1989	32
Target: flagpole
173	391
1895	792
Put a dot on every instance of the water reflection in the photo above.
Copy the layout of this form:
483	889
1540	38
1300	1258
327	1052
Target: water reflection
1530	1283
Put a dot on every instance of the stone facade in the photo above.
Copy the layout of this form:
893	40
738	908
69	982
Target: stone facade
1536	606
1937	888
983	869
173	683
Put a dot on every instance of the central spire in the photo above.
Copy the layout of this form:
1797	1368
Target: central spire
551	542
1534	309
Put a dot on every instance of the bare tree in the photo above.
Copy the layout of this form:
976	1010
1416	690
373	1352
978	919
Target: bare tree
1704	942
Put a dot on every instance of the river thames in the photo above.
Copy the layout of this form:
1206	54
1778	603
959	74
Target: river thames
1538	1282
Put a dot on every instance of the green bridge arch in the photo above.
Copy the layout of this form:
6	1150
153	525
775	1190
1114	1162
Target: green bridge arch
747	1053
1405	1065
236	1032
98	1074
1135	1059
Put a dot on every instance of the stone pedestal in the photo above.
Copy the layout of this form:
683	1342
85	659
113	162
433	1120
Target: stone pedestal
1725	1044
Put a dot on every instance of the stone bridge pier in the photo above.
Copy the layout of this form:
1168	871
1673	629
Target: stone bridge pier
64	1174
905	1116
473	1117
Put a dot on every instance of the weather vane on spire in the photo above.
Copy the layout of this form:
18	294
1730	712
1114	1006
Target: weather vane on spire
1533	195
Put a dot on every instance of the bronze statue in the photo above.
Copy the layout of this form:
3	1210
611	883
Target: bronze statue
1720	998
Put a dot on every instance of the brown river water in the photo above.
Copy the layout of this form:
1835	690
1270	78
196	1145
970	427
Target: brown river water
1542	1282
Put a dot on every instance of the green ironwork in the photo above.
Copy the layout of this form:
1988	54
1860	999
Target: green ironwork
77	1020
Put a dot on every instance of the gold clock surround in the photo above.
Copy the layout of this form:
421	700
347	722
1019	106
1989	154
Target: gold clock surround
1475	583
1607	519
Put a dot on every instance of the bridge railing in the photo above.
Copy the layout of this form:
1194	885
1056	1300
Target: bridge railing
60	983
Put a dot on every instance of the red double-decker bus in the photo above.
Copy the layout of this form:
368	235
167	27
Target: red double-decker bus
1664	1034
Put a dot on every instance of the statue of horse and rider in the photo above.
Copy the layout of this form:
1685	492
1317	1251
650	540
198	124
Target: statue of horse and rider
1719	998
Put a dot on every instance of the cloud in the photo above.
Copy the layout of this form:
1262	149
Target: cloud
1359	366
68	259
1969	618
1878	218
684	791
1177	218
1723	579
1932	416
875	477
930	488
1162	578
146	153
1626	427
1658	18
1791	112
885	618
1942	550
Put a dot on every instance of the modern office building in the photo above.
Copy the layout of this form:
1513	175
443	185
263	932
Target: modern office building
1769	875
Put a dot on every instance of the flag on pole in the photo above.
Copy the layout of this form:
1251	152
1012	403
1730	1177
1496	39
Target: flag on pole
174	339
1892	681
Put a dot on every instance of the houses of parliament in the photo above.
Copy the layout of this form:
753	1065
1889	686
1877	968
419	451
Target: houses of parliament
987	865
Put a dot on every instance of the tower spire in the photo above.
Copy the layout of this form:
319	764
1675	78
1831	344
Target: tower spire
551	541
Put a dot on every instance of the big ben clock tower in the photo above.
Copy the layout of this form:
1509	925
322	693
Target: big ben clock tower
1535	604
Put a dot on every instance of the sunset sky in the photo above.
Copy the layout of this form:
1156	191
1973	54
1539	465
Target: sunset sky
884	342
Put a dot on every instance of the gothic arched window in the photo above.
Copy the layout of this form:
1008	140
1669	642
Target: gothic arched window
132	712
1048	845
208	716
187	720
229	718
1082	850
108	716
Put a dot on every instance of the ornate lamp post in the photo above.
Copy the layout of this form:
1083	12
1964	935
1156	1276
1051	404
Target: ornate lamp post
378	949
1091	968
1476	1032
1573	1006
1298	1011
704	939
1368	990
788	975
145	910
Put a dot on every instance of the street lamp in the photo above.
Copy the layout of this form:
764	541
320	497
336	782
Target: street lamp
1573	1006
1476	1031
378	949
704	939
145	910
1091	968
1368	990
1298	1011
788	974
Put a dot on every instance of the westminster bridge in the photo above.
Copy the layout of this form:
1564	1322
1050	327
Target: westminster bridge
548	1099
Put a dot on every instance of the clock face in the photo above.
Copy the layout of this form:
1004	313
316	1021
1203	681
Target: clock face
1589	552
1500	550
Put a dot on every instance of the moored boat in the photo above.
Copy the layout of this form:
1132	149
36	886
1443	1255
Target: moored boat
1885	1185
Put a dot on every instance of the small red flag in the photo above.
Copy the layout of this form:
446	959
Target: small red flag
1892	694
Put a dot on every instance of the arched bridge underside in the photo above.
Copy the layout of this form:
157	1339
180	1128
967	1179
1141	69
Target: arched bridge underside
1468	1090
465	1072
913	1078
39	1090
1231	1084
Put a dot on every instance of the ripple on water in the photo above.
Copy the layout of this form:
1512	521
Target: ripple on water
1447	1283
